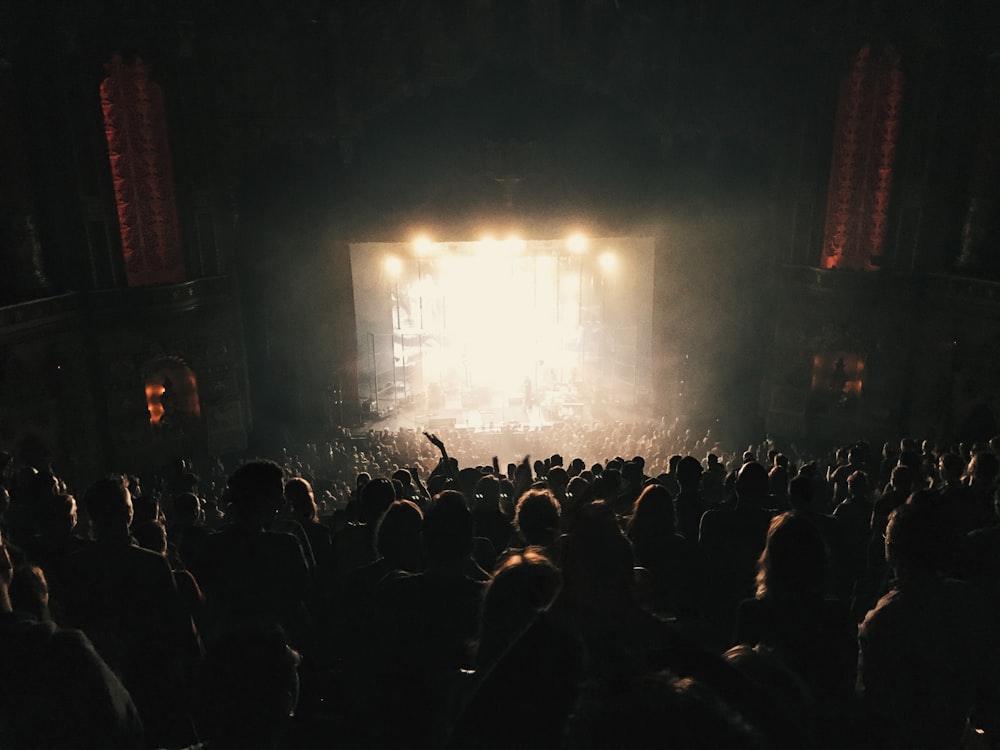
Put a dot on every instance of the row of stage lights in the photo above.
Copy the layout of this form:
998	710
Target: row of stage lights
576	244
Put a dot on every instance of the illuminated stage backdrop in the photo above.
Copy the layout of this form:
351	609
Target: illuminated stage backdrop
494	332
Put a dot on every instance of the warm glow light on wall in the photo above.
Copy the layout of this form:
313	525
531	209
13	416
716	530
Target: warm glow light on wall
841	373
393	265
577	243
153	393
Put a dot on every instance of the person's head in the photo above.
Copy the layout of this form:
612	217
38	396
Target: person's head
689	471
448	530
983	468
901	478
652	514
376	496
558	479
857	485
399	536
468	478
488	492
109	505
597	560
537	517
257	491
524	585
299	494
952	466
57	515
752	483
361	480
151	535
914	542
800	493
187	509
607	486
794	565
29	591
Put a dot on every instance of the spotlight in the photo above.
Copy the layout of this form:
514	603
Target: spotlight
393	265
422	245
608	261
577	243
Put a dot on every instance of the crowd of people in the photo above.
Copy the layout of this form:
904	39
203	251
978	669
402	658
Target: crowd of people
626	585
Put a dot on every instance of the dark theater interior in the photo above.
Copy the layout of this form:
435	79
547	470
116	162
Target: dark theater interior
310	232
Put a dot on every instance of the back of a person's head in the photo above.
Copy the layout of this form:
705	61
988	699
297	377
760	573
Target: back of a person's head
376	496
57	514
468	478
488	492
404	478
794	565
632	473
689	471
558	478
952	466
800	493
525	584
984	467
901	478
108	501
537	516
399	533
673	461
447	529
151	535
187	508
607	486
299	494
257	487
914	537
752	481
857	484
652	514
596	558
29	591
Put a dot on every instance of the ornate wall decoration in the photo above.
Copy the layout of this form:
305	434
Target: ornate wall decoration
864	149
142	173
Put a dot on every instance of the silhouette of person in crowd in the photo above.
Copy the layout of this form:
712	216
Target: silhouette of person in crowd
928	659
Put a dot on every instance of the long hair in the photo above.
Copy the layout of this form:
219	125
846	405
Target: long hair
795	562
652	514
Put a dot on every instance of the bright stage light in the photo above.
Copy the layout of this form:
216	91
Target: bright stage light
514	244
577	243
422	245
393	265
608	261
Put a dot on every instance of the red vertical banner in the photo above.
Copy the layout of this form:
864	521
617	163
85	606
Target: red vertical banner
142	173
864	148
